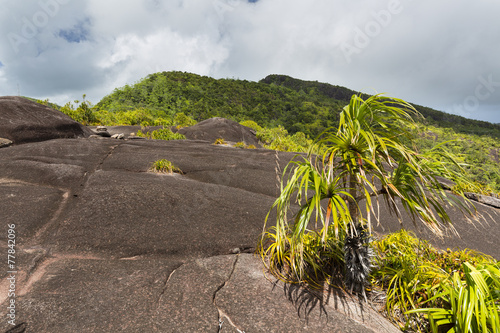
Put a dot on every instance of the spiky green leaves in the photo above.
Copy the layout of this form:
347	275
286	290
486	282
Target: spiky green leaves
419	279
472	300
289	244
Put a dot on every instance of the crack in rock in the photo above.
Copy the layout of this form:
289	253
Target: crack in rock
89	173
222	314
165	287
112	149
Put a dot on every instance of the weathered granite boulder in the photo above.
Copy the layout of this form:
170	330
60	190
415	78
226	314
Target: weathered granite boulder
22	120
215	128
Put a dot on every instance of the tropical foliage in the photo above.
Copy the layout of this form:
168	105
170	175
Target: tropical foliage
169	93
418	279
362	160
161	134
471	298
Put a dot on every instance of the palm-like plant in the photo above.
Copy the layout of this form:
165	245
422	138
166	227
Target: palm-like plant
363	160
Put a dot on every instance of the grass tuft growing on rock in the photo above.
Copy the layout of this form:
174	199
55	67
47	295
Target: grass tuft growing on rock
165	166
220	141
239	145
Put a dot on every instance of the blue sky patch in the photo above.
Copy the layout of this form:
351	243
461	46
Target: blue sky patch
79	32
1	65
252	1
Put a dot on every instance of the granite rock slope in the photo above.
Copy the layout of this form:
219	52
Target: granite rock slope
105	245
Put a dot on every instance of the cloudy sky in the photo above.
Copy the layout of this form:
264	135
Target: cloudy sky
443	54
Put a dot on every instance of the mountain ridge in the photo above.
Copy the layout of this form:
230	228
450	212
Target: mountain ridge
344	94
298	105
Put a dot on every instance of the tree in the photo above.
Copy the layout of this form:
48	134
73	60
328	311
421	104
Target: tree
362	161
85	113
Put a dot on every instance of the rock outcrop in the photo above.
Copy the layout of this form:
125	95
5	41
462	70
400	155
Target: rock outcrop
22	120
104	245
215	128
484	199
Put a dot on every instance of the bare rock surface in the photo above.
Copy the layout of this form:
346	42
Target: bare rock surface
105	245
479	232
22	120
484	199
215	128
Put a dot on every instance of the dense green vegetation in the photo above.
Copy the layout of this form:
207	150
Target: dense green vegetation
289	113
457	289
431	117
168	93
327	238
479	153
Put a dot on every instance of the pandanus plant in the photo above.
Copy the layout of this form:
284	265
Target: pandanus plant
334	195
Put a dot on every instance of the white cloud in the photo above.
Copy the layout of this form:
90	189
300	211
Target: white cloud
132	57
431	53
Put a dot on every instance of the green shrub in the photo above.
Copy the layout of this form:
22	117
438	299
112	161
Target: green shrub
166	134
165	166
474	187
161	134
250	147
162	122
252	124
278	139
181	120
84	113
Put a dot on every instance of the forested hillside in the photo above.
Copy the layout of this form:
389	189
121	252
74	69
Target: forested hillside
286	112
432	117
202	97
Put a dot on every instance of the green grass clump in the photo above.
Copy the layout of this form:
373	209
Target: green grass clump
475	187
239	145
220	141
250	147
165	166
